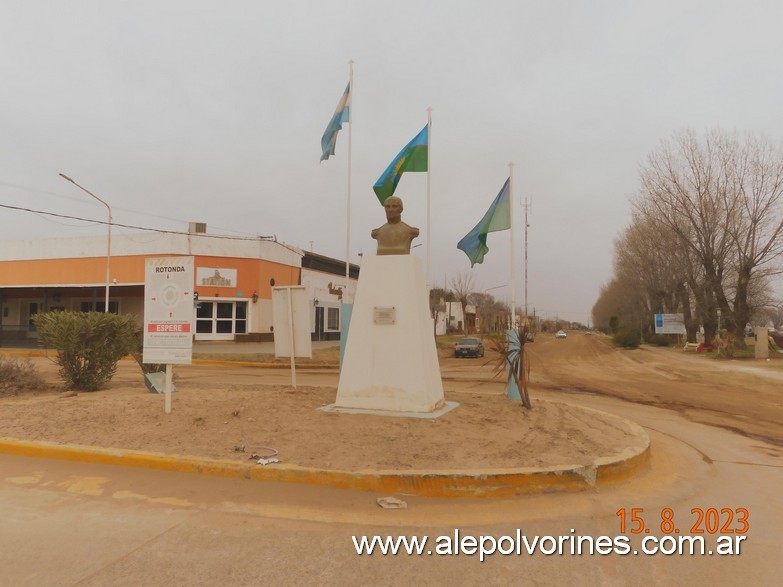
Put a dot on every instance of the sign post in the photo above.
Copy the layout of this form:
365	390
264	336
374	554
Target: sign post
168	315
291	323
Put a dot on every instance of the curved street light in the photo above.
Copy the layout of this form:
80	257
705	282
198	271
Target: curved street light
108	249
495	287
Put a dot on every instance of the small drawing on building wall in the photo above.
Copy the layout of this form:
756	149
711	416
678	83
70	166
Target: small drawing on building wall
216	277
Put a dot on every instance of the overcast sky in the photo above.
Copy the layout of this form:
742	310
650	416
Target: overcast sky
178	111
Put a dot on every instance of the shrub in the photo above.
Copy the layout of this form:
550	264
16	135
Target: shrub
724	342
660	340
627	339
18	375
513	361
88	345
138	354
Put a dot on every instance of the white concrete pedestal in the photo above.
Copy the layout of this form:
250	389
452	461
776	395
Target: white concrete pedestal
390	358
762	342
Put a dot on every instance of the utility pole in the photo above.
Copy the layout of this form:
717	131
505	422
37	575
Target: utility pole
527	225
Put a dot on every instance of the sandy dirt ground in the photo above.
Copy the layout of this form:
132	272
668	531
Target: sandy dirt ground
744	396
233	412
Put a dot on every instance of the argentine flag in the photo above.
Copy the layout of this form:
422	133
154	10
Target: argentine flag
341	115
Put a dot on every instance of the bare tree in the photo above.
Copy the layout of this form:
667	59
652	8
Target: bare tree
683	187
721	199
493	313
462	287
772	314
649	255
756	230
617	306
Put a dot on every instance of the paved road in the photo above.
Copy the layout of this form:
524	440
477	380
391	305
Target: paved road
76	524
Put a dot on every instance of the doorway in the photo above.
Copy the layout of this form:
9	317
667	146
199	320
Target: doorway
220	320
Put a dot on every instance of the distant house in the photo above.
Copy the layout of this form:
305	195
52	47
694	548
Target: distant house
450	318
325	280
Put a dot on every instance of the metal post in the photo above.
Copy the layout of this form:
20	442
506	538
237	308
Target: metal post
513	275
108	248
292	346
167	388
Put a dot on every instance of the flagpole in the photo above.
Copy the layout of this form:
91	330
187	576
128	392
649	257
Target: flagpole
348	205
526	227
429	185
513	245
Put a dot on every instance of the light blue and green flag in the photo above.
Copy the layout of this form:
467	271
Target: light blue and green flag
341	114
412	158
498	217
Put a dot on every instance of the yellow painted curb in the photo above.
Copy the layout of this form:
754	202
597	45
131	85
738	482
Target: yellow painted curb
453	483
27	352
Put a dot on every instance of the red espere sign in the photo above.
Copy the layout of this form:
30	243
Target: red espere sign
184	327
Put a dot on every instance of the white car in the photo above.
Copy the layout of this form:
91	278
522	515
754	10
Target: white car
560	334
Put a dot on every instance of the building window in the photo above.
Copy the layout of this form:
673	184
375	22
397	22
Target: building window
333	319
204	318
114	307
240	324
225	318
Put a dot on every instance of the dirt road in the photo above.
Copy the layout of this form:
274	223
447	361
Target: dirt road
743	396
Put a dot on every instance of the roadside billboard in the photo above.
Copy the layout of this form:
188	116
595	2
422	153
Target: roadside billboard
669	324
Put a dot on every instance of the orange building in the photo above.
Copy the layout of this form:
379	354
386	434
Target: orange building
233	279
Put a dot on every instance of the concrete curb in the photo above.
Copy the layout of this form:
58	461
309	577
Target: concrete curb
467	483
447	483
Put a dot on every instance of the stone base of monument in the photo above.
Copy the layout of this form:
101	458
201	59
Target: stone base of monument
447	407
390	362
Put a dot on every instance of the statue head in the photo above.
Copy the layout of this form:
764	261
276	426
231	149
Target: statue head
393	207
394	237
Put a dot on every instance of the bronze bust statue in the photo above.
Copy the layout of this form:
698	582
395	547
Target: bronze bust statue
394	237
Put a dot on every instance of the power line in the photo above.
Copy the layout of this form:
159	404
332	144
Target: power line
82	201
272	238
104	222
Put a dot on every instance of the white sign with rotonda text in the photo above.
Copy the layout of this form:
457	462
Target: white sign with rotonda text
168	310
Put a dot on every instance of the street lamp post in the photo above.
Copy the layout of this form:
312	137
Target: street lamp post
719	321
108	246
496	287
